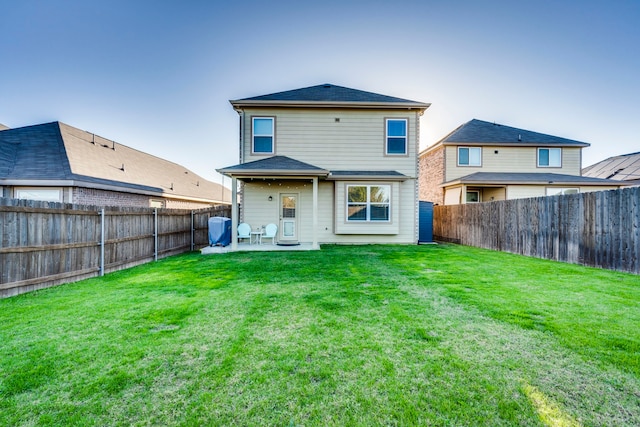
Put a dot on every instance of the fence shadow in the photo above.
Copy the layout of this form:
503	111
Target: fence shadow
598	229
45	244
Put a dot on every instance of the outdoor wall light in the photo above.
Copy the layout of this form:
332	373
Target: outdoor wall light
270	198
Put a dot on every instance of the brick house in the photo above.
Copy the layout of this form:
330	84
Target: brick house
57	162
482	161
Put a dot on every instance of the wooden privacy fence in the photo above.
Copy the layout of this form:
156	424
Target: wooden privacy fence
599	229
46	244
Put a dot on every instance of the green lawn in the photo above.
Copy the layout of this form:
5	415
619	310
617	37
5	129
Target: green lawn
350	335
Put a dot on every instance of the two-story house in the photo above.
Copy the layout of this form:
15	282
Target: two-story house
328	164
482	161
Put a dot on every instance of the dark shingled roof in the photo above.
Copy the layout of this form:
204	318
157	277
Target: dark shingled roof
330	93
34	152
531	178
620	168
59	152
481	132
275	164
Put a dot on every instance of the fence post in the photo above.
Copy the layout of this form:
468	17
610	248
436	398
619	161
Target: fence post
155	234
102	242
192	232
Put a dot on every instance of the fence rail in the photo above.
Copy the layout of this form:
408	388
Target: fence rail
45	244
599	229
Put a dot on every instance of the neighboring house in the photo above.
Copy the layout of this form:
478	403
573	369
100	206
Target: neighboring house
625	168
329	164
482	161
57	162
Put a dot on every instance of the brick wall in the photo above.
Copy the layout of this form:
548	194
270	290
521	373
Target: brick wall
90	196
184	204
431	173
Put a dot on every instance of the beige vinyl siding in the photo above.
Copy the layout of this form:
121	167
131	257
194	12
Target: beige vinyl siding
452	195
258	211
511	159
356	141
599	188
404	210
366	227
403	217
525	191
513	191
493	194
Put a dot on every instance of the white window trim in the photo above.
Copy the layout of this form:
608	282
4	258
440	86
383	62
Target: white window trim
472	191
561	191
272	135
549	165
386	136
157	203
368	220
469	165
18	193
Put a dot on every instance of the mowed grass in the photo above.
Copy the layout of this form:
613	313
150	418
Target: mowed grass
350	335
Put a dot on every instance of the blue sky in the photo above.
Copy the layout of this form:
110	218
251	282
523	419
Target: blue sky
157	75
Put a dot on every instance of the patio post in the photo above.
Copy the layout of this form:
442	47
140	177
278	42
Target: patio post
315	213
234	213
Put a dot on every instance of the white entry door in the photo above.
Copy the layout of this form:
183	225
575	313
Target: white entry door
288	217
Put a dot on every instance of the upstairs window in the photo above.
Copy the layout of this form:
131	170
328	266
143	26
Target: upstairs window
371	203
549	157
396	136
469	156
262	133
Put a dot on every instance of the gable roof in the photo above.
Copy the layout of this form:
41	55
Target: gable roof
503	178
66	156
328	95
276	165
625	167
479	132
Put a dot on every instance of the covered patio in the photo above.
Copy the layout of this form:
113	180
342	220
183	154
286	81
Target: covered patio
265	247
277	170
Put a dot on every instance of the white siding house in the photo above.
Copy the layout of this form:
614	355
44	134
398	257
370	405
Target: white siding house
328	164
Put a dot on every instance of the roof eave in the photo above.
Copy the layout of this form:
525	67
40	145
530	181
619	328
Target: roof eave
239	104
494	183
399	178
131	188
517	144
251	173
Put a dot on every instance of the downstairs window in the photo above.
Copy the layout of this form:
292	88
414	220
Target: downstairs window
368	203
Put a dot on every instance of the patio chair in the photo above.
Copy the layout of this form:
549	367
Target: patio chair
270	232
244	231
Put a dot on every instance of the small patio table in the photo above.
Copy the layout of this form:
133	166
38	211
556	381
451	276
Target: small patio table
256	237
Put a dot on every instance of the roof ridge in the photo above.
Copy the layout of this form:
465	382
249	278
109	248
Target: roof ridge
328	93
485	132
